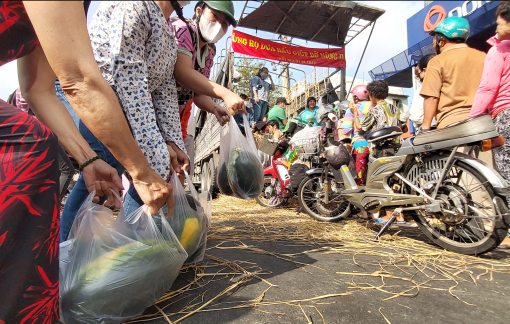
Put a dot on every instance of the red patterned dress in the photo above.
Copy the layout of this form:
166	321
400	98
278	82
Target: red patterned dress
29	217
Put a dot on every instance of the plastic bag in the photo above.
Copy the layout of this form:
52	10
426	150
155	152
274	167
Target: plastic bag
198	255
245	173
187	220
222	177
290	154
205	199
108	266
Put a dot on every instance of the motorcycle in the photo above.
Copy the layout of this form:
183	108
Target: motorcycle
457	200
276	179
277	188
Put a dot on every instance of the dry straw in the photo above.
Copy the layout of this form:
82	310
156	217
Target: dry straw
401	266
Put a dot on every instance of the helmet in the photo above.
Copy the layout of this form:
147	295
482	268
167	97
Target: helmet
360	92
337	156
227	7
453	27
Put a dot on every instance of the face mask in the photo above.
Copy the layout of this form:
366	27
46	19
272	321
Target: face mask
248	104
263	76
211	30
183	3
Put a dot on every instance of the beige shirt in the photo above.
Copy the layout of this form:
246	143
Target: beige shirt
453	77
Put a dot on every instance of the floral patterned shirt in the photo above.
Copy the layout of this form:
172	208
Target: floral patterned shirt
136	53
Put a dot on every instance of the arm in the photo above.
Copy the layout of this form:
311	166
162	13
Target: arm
429	111
272	84
368	122
206	104
63	36
196	82
489	84
356	122
253	86
431	91
37	84
281	115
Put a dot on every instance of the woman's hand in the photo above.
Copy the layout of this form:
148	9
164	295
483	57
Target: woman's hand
178	159
154	191
221	114
100	176
234	103
354	110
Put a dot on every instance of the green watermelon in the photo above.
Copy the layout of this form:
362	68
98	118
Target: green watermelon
223	184
245	174
120	283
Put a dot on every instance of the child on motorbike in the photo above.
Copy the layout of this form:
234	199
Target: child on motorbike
361	103
381	115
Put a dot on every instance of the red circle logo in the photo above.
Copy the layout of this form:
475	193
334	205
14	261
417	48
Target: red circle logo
435	10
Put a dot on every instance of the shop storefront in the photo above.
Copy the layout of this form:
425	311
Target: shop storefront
398	71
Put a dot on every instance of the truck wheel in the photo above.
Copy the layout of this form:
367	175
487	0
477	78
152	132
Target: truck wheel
204	179
213	188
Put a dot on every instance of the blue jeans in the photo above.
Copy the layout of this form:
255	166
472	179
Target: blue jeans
60	94
259	110
250	116
79	193
239	117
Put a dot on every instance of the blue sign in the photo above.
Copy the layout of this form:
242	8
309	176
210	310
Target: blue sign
476	12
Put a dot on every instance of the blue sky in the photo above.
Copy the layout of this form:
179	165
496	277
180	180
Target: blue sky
388	39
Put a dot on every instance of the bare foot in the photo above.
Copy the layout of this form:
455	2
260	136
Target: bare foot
400	217
505	244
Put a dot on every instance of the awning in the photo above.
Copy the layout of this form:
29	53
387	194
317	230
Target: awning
397	70
328	22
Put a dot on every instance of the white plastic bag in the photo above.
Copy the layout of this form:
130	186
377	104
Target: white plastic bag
198	255
244	170
109	266
187	220
205	199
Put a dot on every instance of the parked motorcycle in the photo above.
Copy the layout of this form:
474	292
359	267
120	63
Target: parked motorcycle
277	179
456	200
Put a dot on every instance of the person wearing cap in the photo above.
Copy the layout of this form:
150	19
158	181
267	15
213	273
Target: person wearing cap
453	75
278	112
195	59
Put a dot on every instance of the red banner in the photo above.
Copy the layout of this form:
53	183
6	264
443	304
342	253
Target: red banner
250	45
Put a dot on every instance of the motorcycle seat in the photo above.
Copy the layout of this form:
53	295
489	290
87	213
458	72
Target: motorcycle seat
383	133
469	127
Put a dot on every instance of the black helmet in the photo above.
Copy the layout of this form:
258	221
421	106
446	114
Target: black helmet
337	156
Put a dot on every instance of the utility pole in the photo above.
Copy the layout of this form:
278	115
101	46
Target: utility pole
285	75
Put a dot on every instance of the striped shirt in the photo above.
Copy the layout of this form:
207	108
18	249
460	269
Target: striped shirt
348	129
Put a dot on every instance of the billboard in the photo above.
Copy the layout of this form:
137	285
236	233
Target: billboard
419	25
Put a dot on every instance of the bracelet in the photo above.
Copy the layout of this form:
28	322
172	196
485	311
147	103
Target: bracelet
84	165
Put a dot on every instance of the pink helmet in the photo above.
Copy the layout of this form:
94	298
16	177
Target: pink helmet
361	92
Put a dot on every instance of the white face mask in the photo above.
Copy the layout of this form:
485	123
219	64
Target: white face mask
212	31
183	3
248	104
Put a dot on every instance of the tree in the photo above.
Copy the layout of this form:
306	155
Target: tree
248	69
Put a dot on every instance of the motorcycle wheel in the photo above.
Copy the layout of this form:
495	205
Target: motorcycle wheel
463	188
310	195
273	200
